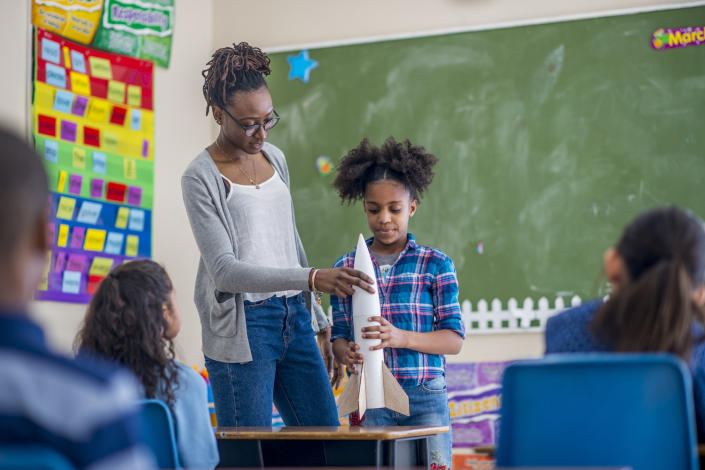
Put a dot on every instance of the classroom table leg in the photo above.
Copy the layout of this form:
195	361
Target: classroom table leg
240	453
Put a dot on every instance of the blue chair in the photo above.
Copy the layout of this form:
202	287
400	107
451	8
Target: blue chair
598	410
159	433
32	457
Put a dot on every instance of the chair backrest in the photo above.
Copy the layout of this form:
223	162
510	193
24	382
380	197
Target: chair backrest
598	409
32	457
159	433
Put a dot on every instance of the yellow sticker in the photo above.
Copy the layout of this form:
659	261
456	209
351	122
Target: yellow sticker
95	239
130	168
44	284
100	68
111	142
116	91
97	110
131	245
80	84
67	57
79	158
101	266
63	235
65	209
121	219
134	95
62	181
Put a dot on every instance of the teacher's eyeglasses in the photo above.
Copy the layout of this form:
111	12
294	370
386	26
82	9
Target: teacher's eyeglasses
254	128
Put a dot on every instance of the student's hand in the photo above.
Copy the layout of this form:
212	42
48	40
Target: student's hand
391	336
326	348
338	374
340	281
346	352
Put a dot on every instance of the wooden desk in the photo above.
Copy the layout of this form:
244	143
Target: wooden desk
358	446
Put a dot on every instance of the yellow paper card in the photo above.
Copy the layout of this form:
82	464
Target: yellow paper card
67	57
116	91
65	209
134	95
101	266
63	235
62	181
131	245
100	68
111	142
95	239
79	158
130	168
44	284
121	219
97	110
80	84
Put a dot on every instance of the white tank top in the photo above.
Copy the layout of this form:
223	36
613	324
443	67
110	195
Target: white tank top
264	228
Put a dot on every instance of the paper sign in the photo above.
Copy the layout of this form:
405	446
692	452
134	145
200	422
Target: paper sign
116	192
47	125
77	235
67	58
118	115
51	151
79	106
98	162
60	261
116	91
78	62
134	95
72	282
76	263
55	76
136	120
136	220
114	243
79	158
121	218
62	181
89	212
134	195
66	207
130	168
80	83
63	235
95	239
132	245
97	188
68	130
100	266
145	148
97	111
75	184
50	51
110	142
63	101
91	136
100	68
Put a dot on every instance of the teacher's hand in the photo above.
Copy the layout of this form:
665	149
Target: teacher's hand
340	281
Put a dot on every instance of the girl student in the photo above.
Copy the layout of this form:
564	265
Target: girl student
254	288
657	274
132	319
420	316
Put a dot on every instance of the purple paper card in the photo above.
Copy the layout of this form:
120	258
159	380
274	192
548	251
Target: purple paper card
134	195
97	188
77	237
52	233
145	148
60	261
76	263
79	105
75	184
68	131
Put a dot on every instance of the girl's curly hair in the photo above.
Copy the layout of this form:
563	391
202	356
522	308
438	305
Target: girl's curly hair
125	322
410	165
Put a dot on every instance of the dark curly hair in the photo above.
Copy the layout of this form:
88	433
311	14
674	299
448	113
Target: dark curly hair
232	69
410	165
125	322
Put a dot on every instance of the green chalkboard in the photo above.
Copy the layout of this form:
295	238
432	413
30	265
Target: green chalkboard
550	138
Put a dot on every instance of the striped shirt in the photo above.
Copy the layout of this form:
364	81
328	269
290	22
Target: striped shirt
419	293
86	409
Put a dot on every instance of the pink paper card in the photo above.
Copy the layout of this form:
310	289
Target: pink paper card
79	106
97	188
77	237
60	262
68	131
134	195
75	184
76	263
145	148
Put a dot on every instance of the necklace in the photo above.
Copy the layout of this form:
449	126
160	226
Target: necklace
253	181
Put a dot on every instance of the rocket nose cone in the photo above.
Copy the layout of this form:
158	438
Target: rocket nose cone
363	261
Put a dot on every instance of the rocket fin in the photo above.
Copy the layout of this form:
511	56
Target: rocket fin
348	401
362	400
395	398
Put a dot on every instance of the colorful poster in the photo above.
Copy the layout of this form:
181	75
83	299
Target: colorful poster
474	398
98	149
76	20
138	28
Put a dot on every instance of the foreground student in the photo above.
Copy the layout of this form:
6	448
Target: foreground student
417	286
84	408
133	318
657	273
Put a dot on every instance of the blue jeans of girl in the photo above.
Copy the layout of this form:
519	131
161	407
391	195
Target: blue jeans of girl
286	368
428	406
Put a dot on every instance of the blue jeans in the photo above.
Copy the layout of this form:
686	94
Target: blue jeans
286	368
428	406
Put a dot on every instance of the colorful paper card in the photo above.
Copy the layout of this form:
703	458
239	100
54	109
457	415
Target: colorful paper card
63	101
100	68
116	192
121	218
113	245
95	239
68	130
79	158
136	120
51	151
71	283
59	261
134	95
97	110
62	181
78	62
76	263
55	75
79	106
136	222
77	236
67	57
132	245
63	235
134	195
80	84
111	142
46	125
50	51
91	136
97	188
101	266
65	208
130	167
99	162
75	183
118	115
89	212
116	91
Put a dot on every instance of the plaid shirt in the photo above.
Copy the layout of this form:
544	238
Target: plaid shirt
420	293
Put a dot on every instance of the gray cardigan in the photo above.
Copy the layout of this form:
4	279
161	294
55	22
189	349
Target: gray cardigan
221	277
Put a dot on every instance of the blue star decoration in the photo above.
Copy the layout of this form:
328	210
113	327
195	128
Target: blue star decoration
301	66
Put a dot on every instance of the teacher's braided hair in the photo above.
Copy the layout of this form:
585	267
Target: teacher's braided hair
240	67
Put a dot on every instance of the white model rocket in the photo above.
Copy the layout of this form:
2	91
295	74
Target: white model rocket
373	386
